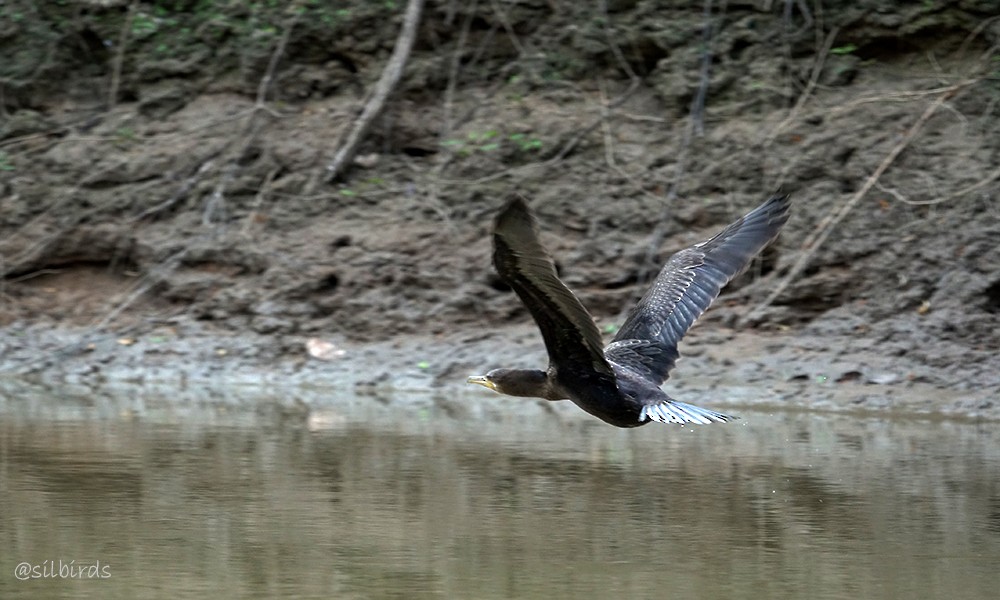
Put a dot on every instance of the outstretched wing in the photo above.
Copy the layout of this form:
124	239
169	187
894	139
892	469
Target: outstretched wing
686	286
571	337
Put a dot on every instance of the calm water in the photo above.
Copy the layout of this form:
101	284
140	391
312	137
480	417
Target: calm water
369	499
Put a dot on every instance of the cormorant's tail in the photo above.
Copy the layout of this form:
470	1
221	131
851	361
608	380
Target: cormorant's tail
672	411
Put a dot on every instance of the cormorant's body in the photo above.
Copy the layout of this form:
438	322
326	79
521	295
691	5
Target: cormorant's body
620	383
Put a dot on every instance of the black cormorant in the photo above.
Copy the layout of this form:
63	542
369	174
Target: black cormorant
620	383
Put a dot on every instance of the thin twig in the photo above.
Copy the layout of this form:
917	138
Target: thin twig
804	96
272	63
32	275
576	139
609	148
258	201
116	68
215	205
823	230
891	97
456	62
609	144
181	191
953	196
136	291
615	49
447	124
140	287
975	186
704	71
695	122
505	23
973	35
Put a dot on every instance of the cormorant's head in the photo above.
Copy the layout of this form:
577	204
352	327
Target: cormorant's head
514	382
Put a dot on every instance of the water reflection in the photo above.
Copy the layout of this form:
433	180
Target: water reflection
216	503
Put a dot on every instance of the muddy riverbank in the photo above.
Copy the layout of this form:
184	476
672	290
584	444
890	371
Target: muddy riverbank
183	232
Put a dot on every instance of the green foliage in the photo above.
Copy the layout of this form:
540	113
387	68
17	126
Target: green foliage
125	133
5	162
845	49
490	140
525	142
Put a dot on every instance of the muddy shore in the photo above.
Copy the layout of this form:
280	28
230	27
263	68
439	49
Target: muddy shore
176	235
722	368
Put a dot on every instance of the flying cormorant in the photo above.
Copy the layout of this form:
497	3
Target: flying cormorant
620	383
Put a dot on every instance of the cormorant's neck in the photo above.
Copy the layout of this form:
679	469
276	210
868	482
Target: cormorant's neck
529	383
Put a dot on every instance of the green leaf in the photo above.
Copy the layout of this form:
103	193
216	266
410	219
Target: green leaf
841	50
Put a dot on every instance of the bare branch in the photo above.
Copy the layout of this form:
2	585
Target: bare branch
272	64
116	69
386	84
823	230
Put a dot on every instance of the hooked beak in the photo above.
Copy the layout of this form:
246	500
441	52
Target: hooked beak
483	381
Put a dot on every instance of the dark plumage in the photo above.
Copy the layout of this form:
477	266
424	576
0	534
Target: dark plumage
620	383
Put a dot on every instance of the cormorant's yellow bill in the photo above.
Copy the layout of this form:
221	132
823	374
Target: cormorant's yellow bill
483	381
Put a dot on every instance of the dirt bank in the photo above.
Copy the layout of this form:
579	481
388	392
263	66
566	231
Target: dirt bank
177	229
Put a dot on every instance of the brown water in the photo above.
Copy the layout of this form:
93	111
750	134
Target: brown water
369	499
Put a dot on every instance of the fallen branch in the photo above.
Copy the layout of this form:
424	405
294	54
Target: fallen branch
386	84
823	230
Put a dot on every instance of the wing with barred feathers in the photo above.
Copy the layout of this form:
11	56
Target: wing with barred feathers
686	286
